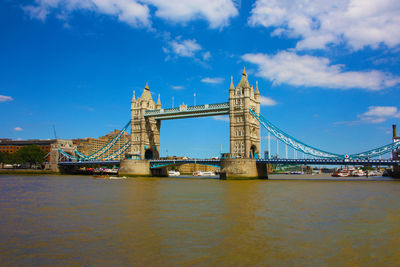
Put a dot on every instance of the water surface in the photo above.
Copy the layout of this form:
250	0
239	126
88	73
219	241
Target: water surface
78	220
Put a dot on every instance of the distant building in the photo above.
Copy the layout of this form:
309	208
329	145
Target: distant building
88	146
12	146
189	168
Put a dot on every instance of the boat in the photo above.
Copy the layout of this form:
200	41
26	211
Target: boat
200	173
111	171
374	173
297	172
359	173
116	177
101	176
173	173
346	172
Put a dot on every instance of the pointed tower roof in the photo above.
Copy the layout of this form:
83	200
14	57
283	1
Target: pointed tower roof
133	97
146	95
257	91
244	82
159	100
231	87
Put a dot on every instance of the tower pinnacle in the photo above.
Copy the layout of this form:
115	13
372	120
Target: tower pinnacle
133	97
159	100
244	71
257	92
231	87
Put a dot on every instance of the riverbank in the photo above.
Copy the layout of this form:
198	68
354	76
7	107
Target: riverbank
27	172
327	177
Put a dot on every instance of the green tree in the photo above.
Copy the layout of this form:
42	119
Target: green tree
8	158
31	154
2	156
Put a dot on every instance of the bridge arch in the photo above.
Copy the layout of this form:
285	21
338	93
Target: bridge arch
253	152
150	154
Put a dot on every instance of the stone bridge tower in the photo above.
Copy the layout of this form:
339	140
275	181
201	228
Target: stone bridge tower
244	128
145	132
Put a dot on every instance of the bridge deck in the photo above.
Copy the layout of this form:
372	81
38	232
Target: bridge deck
375	162
216	162
189	111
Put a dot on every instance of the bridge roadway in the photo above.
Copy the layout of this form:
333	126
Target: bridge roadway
216	162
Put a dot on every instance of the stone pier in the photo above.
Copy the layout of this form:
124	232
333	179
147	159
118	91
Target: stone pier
242	169
131	167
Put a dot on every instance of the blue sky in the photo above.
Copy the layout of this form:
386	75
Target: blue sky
328	71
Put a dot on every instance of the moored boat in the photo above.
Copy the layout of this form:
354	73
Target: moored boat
345	172
200	173
359	173
173	173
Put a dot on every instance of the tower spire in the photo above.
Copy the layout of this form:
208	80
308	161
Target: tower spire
244	83
133	97
147	86
257	91
159	100
231	87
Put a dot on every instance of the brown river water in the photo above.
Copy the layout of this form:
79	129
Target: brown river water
81	221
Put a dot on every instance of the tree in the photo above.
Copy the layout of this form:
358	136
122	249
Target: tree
31	154
8	158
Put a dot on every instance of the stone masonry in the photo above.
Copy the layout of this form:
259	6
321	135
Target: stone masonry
244	128
145	132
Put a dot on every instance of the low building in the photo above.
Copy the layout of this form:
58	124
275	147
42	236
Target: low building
190	168
12	146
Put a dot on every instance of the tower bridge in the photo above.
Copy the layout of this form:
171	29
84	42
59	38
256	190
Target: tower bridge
243	108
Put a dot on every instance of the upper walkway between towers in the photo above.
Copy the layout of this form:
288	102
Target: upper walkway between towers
184	111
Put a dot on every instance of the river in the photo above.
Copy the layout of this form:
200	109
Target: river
78	220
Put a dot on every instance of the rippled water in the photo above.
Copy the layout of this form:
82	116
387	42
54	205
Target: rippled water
77	220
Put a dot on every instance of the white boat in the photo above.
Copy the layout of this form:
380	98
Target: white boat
173	173
116	177
375	173
200	173
359	173
346	172
297	172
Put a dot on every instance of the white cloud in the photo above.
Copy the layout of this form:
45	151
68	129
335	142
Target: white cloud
378	114
216	12
137	12
221	118
215	80
206	56
297	70
177	87
128	11
317	23
184	48
4	98
18	129
267	101
188	48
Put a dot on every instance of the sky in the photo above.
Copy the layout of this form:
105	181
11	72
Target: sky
328	70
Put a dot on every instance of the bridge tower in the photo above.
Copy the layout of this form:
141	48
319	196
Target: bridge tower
145	132
244	128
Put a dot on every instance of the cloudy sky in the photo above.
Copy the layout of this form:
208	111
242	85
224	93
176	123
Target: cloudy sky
328	71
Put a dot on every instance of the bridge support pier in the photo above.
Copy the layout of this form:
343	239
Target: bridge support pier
53	164
131	167
160	172
242	169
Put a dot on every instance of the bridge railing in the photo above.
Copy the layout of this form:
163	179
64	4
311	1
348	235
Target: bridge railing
205	107
307	149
